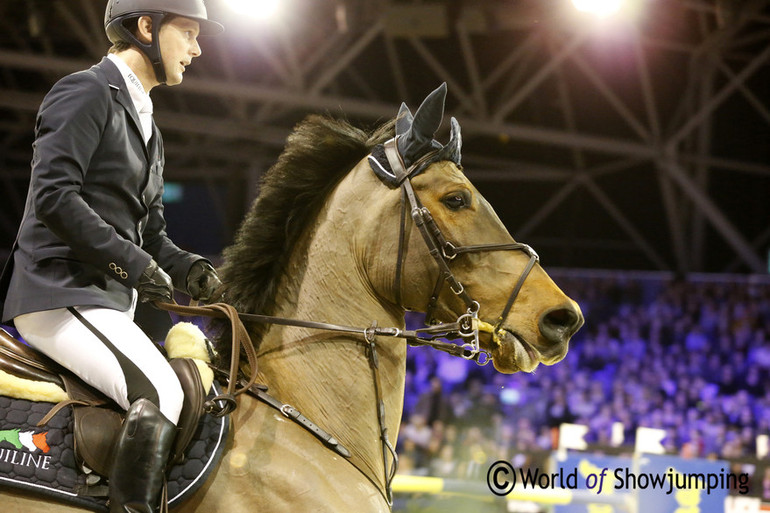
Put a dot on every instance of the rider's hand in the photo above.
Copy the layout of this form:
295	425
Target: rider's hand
202	281
154	284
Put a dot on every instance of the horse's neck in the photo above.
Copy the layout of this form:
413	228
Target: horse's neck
325	375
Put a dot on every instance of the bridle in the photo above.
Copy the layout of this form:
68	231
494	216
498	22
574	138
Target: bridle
443	252
467	325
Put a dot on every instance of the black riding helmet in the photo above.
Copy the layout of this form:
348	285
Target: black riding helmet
118	12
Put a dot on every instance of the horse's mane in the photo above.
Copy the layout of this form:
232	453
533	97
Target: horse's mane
318	154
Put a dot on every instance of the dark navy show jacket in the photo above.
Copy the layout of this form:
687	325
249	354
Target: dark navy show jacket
94	216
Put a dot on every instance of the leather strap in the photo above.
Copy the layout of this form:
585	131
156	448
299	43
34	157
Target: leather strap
290	412
419	337
20	367
19	351
515	292
58	407
192	406
387	447
225	403
401	248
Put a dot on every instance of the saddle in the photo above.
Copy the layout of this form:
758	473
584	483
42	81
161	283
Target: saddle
97	419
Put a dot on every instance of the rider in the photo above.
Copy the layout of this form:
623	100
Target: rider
93	241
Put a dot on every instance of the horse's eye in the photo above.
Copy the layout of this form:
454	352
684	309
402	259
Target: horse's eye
456	200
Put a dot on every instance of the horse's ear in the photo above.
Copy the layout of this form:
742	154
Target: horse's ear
403	120
428	117
452	150
419	139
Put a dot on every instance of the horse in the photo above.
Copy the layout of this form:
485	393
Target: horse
355	228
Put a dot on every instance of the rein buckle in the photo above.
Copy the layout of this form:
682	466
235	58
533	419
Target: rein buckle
449	250
287	410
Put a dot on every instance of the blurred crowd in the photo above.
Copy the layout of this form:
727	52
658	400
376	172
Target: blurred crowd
689	357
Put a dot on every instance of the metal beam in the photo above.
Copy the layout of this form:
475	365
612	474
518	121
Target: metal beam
547	208
466	47
554	137
648	91
510	61
615	102
372	110
702	172
675	221
715	216
342	61
716	100
79	30
759	243
395	67
441	72
624	223
503	110
755	102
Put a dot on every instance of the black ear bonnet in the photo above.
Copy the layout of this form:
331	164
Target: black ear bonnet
415	142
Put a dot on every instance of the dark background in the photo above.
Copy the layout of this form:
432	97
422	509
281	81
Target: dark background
634	144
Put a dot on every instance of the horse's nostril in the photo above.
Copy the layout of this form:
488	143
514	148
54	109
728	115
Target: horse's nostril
561	318
560	323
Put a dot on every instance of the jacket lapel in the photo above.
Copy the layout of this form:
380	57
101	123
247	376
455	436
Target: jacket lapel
118	84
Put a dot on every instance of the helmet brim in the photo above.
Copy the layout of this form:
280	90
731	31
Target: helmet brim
209	27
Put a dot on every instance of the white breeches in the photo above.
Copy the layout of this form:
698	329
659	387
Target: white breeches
108	351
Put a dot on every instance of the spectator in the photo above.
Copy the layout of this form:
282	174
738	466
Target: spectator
689	358
433	404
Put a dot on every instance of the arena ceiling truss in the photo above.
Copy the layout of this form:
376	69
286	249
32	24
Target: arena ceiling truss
645	145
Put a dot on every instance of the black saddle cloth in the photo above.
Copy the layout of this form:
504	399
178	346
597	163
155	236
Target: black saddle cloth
41	461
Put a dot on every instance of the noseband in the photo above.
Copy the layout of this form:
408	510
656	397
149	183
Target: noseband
443	252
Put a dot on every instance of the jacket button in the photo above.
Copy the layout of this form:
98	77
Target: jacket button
118	270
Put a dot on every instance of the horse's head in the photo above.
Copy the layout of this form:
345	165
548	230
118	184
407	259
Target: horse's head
475	264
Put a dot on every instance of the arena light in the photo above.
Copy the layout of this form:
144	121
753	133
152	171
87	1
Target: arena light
256	9
600	8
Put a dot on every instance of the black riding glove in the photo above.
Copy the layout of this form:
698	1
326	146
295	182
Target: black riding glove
202	281
154	284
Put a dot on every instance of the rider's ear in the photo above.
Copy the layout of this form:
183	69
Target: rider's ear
144	29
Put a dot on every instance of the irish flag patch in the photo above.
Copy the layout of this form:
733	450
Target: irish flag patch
25	439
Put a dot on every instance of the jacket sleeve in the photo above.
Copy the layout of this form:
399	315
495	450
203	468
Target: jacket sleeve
68	130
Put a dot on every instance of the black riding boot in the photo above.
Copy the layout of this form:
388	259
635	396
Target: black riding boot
141	454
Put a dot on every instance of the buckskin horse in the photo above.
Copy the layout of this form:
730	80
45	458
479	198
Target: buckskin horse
353	228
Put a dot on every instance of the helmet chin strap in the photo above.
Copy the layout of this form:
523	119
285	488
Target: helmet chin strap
151	49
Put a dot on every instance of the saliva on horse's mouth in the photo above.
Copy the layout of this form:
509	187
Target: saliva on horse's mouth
508	348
